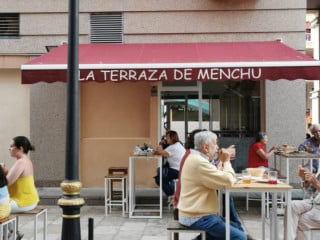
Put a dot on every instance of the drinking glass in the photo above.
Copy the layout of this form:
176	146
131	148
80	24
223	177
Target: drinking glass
273	177
246	176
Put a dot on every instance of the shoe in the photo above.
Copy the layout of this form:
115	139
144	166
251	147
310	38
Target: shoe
19	235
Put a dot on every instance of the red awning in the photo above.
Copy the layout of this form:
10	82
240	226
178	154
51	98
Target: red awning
175	61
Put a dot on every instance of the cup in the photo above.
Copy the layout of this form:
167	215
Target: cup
273	177
246	176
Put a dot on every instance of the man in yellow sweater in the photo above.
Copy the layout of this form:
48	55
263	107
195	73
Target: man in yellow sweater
198	204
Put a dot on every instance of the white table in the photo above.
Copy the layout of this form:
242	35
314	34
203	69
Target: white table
262	188
294	157
143	210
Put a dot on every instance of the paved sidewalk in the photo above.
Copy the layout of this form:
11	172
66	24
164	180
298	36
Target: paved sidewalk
116	227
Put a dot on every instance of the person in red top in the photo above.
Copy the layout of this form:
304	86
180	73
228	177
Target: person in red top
258	156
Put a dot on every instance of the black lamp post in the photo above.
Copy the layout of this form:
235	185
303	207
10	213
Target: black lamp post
71	201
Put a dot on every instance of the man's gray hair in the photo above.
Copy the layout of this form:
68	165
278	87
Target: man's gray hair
204	137
313	126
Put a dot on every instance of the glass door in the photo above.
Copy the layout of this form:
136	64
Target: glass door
230	109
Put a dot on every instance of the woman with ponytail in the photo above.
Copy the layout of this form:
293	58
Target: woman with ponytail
23	193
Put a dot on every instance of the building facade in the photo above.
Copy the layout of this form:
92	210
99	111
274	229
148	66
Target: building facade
115	117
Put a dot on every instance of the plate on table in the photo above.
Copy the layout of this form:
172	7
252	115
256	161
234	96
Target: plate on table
253	178
278	152
265	180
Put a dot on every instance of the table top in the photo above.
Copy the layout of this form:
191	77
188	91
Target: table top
260	186
299	155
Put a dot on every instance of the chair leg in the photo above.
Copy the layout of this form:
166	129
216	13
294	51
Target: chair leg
247	202
309	235
176	217
267	205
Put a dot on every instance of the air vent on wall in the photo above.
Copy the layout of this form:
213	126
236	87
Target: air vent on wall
106	28
9	25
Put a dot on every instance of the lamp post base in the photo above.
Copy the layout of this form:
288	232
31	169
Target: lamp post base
71	204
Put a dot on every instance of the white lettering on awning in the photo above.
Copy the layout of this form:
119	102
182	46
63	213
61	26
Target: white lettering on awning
187	74
134	75
229	73
88	77
184	74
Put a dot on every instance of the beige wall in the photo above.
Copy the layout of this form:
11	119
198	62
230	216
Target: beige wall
14	111
115	117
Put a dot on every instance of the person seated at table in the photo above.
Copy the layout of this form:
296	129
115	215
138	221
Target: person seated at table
5	206
170	171
23	193
198	202
258	156
305	214
312	144
189	145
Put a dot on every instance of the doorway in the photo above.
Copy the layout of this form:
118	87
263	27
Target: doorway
230	109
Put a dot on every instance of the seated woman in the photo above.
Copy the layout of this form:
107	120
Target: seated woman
258	156
173	153
5	207
22	190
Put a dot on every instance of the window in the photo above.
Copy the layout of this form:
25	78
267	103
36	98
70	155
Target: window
9	25
106	28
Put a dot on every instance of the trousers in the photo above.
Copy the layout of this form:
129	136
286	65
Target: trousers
304	215
215	228
168	176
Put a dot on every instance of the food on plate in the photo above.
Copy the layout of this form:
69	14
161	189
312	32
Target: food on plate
288	149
